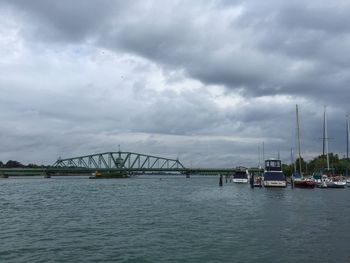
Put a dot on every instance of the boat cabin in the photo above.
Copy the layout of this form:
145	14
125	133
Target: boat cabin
273	165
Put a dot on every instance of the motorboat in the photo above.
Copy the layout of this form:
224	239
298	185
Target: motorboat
273	175
241	175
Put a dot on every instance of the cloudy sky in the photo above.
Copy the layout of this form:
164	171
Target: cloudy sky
205	81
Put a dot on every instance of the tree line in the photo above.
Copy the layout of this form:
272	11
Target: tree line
337	165
16	164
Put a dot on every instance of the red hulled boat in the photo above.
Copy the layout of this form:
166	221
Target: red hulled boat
304	183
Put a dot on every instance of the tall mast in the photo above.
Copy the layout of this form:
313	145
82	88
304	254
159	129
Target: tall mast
263	151
293	160
347	144
298	139
326	137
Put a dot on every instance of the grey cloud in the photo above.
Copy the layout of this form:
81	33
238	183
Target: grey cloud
65	20
252	52
331	17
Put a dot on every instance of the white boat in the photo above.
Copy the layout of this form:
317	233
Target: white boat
330	182
273	175
241	175
336	184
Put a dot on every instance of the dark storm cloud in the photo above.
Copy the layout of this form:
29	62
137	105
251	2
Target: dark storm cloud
329	17
315	32
251	47
175	35
65	21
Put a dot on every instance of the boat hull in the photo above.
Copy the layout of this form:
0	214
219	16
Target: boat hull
240	181
304	184
336	185
280	184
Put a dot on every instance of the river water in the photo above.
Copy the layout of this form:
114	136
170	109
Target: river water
169	219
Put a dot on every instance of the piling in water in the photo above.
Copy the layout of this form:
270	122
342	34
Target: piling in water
252	181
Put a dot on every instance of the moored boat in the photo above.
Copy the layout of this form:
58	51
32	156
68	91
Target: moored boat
273	175
109	175
304	183
241	175
257	181
320	180
335	182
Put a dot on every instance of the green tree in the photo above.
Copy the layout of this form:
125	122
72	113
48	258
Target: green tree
13	164
287	169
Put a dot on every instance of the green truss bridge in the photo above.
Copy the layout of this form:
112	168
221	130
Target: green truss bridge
118	161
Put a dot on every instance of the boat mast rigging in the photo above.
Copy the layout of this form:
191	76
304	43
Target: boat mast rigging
298	138
325	139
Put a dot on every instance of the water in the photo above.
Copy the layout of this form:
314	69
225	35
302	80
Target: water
149	219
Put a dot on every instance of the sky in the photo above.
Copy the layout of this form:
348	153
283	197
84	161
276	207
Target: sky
208	82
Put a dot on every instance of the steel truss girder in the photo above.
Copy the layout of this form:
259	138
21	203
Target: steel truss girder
120	160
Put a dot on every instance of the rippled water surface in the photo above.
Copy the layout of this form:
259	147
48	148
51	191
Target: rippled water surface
169	219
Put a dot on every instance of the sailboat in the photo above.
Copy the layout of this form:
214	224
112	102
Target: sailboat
297	179
326	181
